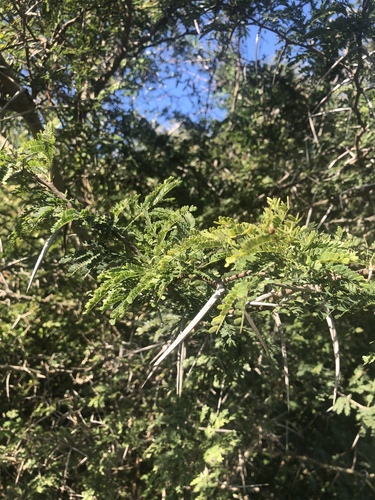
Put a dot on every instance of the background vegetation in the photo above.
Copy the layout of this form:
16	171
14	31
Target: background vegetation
143	214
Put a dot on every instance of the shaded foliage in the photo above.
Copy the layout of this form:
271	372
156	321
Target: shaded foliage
241	409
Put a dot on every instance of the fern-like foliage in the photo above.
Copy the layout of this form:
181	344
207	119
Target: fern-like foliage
147	253
34	156
277	252
274	264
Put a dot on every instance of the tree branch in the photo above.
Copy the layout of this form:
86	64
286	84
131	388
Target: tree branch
20	100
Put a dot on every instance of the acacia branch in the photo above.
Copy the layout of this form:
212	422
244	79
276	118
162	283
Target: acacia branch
334	468
20	100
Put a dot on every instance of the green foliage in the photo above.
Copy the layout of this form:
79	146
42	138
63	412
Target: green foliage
119	268
277	252
275	263
34	156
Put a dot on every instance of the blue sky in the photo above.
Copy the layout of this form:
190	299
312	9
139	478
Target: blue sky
175	94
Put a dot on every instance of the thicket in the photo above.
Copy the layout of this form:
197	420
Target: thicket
186	302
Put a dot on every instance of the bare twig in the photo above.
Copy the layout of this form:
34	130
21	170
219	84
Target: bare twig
334	468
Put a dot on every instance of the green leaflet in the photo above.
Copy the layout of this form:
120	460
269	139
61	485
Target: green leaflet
250	246
67	216
342	405
124	205
238	293
160	192
34	156
114	282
